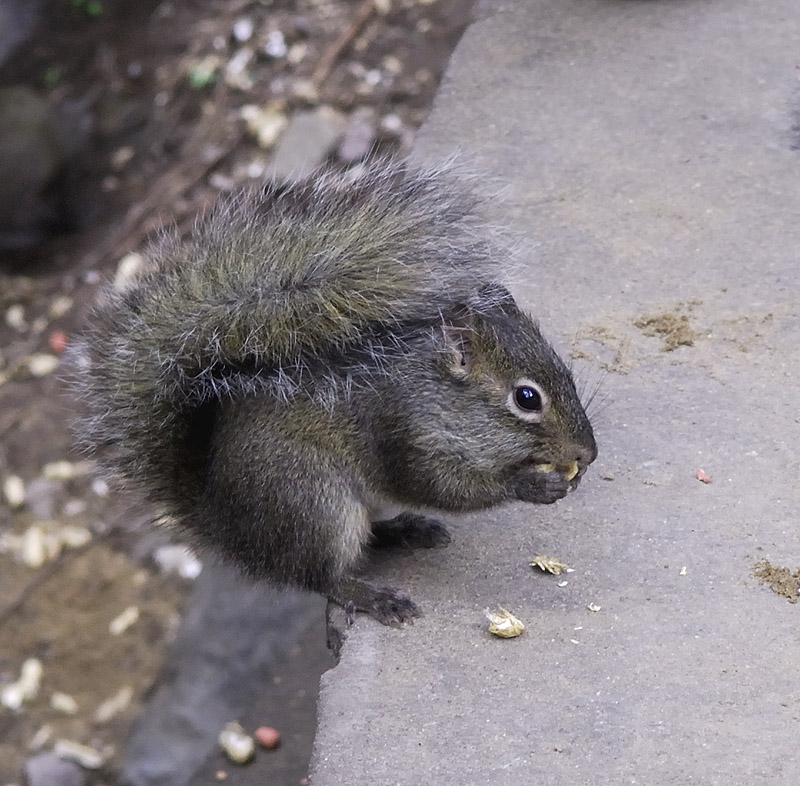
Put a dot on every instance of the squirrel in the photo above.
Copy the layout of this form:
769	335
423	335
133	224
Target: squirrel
318	353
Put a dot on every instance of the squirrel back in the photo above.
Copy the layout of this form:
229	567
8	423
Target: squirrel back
273	283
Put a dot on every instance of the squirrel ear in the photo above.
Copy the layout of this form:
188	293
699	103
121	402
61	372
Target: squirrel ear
491	297
459	327
457	336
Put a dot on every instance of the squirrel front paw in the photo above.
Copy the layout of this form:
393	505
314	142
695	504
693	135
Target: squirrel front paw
531	484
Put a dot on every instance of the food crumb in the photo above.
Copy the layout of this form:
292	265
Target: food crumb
504	624
550	565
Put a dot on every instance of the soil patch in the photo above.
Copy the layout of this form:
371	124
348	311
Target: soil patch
674	329
780	580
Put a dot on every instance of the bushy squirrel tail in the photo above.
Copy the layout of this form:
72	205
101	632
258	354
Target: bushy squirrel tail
270	281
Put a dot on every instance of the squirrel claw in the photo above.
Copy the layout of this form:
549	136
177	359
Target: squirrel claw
384	605
389	608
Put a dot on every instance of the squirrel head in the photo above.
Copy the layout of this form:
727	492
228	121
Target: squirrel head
512	418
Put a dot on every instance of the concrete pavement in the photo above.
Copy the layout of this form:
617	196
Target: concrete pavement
650	152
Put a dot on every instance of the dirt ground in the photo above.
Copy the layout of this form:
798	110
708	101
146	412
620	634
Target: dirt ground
158	90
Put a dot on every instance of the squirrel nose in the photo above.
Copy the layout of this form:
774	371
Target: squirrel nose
585	455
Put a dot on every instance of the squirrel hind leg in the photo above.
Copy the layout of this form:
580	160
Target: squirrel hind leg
384	605
411	531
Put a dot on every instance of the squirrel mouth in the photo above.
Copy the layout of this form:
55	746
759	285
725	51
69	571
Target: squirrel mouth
570	471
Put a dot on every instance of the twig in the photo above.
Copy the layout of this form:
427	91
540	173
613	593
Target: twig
328	60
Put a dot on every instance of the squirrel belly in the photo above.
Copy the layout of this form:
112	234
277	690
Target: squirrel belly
314	348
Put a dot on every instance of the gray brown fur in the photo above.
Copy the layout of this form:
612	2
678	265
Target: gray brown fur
317	351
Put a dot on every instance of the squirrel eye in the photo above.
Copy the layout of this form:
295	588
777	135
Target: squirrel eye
527	398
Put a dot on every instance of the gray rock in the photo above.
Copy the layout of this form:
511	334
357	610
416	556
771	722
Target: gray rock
359	136
306	143
47	769
38	148
17	18
44	497
232	635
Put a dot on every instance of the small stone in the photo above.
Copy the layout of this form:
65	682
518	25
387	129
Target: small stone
297	52
373	77
128	269
236	74
87	757
243	29
392	124
63	470
276	44
25	688
306	90
237	744
63	702
255	169
74	537
359	136
33	549
49	769
14	490
15	318
41	737
265	123
40	365
74	507
58	341
121	623
43	497
99	487
268	737
121	157
175	558
392	64
112	707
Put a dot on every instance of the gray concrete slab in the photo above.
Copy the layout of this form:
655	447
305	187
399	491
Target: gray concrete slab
649	152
